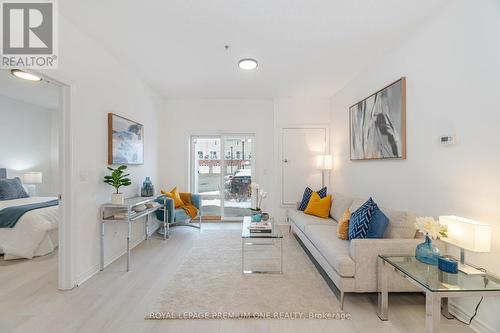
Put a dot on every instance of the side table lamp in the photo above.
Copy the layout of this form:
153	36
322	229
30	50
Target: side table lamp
467	235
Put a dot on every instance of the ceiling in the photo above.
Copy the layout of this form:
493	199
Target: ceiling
304	47
41	93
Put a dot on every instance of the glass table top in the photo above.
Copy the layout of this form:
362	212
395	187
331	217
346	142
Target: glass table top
433	279
245	232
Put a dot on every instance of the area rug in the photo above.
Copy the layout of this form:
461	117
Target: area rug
210	284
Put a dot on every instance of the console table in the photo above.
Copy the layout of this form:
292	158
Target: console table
437	285
126	214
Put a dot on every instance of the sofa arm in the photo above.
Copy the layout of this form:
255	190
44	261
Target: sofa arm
365	252
170	208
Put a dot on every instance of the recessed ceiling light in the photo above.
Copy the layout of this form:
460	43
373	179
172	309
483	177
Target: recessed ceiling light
247	64
25	75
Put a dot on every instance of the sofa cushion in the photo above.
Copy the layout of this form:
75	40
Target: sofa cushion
343	226
378	224
361	219
333	249
301	220
401	224
181	215
340	203
307	196
319	207
356	203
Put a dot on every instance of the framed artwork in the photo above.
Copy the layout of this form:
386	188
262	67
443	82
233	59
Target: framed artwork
125	141
378	124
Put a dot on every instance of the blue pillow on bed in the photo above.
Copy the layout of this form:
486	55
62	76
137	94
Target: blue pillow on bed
11	189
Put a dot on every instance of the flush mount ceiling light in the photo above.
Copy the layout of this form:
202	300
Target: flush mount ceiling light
25	75
247	64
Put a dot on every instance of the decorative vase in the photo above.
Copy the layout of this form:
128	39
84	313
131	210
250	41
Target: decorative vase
117	199
427	253
256	215
148	189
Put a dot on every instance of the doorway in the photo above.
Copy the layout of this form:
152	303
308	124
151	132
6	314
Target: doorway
221	171
40	161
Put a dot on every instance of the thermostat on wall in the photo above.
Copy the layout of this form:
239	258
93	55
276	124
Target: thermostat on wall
447	140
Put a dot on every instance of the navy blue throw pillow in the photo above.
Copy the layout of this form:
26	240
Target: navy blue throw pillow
378	224
307	196
360	220
12	189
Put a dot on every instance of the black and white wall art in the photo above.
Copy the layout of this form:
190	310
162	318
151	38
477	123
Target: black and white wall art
378	124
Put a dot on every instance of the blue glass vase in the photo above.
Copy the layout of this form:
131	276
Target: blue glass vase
148	189
426	252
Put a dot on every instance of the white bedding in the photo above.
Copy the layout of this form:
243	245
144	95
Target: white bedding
35	234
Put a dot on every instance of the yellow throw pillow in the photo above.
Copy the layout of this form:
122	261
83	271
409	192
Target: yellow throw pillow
319	207
174	194
343	228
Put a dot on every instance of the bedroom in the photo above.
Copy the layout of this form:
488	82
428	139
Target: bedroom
29	170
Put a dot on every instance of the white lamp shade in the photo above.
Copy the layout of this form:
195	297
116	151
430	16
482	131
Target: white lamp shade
32	178
324	162
467	234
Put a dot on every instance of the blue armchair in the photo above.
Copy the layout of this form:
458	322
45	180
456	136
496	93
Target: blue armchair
178	217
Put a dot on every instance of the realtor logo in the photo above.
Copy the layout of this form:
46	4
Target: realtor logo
28	34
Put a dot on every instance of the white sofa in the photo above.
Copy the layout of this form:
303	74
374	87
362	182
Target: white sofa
352	265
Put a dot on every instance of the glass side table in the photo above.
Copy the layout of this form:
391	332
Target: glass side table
437	285
266	242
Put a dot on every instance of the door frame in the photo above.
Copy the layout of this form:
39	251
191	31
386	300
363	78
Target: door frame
67	161
220	135
282	129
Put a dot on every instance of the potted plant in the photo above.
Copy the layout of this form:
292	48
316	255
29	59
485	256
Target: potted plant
259	197
117	180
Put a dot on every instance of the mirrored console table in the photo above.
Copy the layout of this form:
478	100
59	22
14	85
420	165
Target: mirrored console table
132	210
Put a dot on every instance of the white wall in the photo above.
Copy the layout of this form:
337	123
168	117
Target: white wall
289	112
262	117
100	84
452	65
26	142
182	118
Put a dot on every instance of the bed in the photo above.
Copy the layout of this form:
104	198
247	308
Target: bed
36	231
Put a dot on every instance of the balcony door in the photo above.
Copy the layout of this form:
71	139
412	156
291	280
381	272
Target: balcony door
221	170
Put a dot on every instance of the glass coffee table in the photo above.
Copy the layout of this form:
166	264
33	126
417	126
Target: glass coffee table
261	250
437	285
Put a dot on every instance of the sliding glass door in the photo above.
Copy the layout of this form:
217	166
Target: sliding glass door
221	171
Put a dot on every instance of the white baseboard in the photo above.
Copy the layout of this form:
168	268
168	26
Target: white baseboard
462	314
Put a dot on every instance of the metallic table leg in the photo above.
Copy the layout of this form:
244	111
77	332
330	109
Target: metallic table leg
281	255
102	246
444	308
146	227
243	255
166	227
128	245
383	294
432	312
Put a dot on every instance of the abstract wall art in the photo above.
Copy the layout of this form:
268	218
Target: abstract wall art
125	141
378	124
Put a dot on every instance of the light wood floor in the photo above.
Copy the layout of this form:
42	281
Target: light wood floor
116	301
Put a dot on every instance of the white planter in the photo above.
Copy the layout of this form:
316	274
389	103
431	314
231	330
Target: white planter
117	199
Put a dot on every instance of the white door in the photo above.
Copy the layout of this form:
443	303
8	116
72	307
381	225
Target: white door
299	151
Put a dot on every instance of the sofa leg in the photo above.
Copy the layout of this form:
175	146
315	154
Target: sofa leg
342	296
